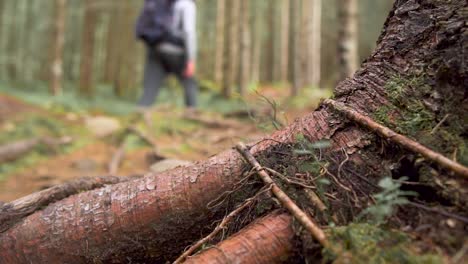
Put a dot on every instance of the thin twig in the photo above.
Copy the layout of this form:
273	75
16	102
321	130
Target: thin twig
439	124
285	200
221	225
117	159
398	138
290	181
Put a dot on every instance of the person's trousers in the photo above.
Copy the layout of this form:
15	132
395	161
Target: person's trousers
156	72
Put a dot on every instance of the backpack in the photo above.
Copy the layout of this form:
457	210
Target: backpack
154	25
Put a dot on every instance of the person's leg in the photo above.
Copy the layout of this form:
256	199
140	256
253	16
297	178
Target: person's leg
190	89
153	79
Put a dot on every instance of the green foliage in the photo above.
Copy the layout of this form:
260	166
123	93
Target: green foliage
306	148
366	243
387	199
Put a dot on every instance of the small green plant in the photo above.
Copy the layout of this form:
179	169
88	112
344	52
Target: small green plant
366	243
386	200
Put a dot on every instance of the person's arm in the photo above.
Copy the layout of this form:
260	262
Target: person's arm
189	26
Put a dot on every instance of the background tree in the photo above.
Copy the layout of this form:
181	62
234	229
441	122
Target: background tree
348	38
277	40
56	68
87	48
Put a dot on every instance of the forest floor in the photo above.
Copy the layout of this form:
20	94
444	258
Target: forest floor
97	135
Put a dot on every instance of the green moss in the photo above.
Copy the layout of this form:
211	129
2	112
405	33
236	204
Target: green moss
413	118
365	243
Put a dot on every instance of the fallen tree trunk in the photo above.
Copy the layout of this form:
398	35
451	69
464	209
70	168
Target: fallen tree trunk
15	150
268	240
154	218
12	212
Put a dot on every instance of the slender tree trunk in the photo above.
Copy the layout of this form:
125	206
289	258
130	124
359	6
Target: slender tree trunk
284	40
348	37
154	218
297	51
232	67
315	43
244	65
256	37
12	41
271	67
87	49
56	69
219	52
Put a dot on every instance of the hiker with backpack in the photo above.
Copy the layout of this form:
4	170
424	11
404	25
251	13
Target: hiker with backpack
168	28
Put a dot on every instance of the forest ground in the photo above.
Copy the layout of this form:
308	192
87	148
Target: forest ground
218	125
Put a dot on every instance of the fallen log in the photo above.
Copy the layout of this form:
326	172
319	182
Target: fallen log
15	150
12	212
268	240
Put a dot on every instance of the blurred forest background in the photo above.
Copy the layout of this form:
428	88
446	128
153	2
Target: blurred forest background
88	47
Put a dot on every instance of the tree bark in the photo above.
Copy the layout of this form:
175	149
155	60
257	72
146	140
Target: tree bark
268	240
56	69
11	213
141	219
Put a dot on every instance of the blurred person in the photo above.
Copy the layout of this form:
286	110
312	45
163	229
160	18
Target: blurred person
168	29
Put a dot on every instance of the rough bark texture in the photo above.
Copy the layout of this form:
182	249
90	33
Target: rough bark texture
268	240
141	218
12	212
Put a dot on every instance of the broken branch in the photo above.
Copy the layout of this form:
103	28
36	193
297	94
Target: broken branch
287	202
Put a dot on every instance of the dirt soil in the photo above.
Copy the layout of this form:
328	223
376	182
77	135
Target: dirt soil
198	142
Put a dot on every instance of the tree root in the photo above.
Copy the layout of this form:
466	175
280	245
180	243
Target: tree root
268	240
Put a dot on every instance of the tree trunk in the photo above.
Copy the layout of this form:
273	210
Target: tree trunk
87	49
284	40
257	40
219	49
56	69
297	80
244	65
315	43
347	38
154	218
233	51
